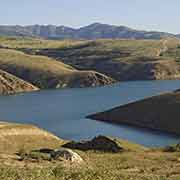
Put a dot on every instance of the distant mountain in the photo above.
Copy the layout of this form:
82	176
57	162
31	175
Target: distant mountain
177	35
93	31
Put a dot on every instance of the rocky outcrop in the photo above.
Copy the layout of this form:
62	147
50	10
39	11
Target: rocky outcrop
89	79
148	70
100	143
66	154
10	84
172	148
158	113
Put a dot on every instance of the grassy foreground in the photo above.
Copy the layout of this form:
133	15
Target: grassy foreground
135	162
101	166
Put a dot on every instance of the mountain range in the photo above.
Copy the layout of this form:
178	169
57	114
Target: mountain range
93	31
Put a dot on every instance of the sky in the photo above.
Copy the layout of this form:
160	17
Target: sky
161	15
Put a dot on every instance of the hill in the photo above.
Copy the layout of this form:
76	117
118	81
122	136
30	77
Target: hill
44	72
120	59
158	113
10	84
16	137
93	31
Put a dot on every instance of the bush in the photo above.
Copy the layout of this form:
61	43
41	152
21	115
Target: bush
169	149
39	156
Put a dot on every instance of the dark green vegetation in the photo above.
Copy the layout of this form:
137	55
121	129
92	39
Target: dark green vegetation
92	31
120	59
159	113
172	148
100	143
132	162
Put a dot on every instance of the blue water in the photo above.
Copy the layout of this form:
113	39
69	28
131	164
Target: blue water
63	111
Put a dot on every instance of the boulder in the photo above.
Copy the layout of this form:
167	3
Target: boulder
66	154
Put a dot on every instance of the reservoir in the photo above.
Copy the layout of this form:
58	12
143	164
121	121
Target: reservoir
63	112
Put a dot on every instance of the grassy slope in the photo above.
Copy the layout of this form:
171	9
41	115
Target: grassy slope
47	73
18	42
15	137
105	166
136	162
120	59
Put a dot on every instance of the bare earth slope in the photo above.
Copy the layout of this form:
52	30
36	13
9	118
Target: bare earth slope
158	113
10	84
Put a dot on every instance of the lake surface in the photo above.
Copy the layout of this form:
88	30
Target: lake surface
63	111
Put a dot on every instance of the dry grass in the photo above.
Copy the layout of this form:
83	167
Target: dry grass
135	162
15	137
25	42
45	72
147	165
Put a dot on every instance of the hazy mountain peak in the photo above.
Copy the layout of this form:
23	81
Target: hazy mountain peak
93	31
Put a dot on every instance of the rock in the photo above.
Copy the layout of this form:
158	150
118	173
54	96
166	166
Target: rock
100	143
89	79
173	148
10	84
45	150
150	60
66	154
178	147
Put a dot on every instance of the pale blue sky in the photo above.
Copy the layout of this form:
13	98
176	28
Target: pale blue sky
163	15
